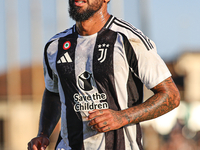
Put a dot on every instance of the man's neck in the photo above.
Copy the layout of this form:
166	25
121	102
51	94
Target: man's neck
93	24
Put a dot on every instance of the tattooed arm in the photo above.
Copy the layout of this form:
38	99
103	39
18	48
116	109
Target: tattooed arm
166	97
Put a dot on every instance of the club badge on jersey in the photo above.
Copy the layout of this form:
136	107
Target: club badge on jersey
67	45
103	49
66	57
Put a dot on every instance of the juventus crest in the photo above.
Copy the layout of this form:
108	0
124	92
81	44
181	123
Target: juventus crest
103	49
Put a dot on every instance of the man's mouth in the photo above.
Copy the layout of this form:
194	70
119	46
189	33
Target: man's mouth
79	2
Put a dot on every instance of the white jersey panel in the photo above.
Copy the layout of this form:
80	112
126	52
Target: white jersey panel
51	83
130	133
84	62
152	69
121	72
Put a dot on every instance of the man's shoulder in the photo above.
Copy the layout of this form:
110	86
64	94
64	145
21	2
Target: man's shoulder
130	31
62	34
124	27
54	40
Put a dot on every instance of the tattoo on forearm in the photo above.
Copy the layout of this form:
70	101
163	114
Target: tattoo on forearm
128	119
157	105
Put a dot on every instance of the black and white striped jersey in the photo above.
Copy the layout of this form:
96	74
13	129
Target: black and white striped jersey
100	71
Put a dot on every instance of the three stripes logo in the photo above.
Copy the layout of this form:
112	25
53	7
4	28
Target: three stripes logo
65	59
103	49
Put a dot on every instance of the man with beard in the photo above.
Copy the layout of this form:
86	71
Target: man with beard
94	76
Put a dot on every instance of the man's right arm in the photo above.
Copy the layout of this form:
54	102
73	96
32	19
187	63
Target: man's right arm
49	117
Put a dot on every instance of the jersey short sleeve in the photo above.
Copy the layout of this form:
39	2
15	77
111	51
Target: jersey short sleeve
50	77
151	68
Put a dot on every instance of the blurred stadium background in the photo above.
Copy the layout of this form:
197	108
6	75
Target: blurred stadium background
25	27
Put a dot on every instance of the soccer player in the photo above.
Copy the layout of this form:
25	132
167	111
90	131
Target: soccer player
94	76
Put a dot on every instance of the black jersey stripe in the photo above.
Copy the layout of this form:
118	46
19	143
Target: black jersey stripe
139	136
74	29
105	84
66	72
46	60
109	22
130	54
134	84
58	141
142	37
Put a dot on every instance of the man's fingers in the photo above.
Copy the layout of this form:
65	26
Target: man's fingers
105	120
34	147
43	148
99	120
100	125
104	128
96	113
38	143
45	143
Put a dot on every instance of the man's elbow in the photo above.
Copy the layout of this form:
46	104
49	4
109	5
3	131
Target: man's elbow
176	98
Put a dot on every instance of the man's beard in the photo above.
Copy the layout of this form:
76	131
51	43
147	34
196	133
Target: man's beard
81	15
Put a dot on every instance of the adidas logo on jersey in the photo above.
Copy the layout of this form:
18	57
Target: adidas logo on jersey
65	59
103	49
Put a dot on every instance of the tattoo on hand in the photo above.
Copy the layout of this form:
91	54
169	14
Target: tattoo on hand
107	129
105	123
